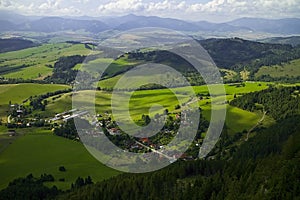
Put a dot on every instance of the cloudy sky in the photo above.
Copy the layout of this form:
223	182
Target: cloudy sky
211	10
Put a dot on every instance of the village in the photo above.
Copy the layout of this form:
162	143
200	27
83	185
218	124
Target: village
62	124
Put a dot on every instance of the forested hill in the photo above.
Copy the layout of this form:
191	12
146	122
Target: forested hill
279	103
15	44
233	53
264	168
236	53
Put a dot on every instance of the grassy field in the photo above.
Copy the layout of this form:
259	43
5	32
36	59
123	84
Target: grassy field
237	120
291	69
41	152
37	60
16	93
38	151
107	67
142	101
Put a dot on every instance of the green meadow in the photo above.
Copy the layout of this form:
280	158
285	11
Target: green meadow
17	93
142	101
38	61
107	67
291	69
39	151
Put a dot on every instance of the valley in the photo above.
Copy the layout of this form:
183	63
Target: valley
54	77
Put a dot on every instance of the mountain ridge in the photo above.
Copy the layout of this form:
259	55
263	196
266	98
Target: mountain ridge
11	22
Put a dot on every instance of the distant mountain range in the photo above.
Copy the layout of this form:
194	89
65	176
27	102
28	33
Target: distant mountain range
15	22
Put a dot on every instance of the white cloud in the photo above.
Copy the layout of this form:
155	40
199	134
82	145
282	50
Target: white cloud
121	6
5	3
186	9
49	7
82	1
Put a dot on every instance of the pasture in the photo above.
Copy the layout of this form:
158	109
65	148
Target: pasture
142	101
39	151
291	69
17	93
37	62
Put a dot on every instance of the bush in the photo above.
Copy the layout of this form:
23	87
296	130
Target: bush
62	169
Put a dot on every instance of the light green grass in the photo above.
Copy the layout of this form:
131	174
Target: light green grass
237	120
110	82
107	67
37	58
34	72
17	93
142	101
230	88
291	69
41	152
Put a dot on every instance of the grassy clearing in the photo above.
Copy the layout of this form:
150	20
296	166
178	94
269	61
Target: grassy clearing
291	69
107	67
38	59
16	93
110	82
140	103
34	72
41	152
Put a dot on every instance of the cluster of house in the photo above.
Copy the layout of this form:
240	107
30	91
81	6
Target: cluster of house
71	114
17	108
141	144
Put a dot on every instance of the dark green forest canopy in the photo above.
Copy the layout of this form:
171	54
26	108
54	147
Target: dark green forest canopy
14	44
279	102
237	53
233	54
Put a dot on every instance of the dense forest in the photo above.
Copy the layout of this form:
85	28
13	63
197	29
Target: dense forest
233	54
264	168
63	71
237	53
14	44
279	103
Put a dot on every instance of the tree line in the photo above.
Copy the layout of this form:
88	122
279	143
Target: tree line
279	102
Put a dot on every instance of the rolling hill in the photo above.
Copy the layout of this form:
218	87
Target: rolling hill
279	26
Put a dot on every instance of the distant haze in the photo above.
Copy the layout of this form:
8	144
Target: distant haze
10	21
195	10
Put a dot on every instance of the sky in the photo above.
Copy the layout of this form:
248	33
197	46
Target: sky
193	10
